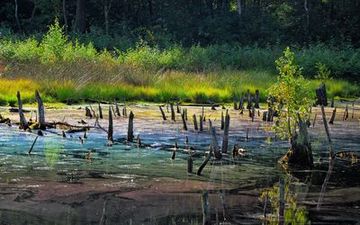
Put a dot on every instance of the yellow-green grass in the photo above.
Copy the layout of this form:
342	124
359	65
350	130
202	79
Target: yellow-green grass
221	87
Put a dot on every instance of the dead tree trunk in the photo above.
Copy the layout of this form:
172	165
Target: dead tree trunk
41	111
332	118
117	109
195	122
300	153
23	123
100	112
203	164
346	113
111	128
222	121
172	111
214	142
201	123
183	120
162	113
225	142
130	135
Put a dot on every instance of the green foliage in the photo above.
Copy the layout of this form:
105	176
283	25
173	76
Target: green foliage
53	44
294	214
292	93
324	73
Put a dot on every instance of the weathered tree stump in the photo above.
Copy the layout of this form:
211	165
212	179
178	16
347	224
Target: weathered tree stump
117	109
23	123
190	164
300	153
214	142
235	105
88	112
201	123
162	113
225	142
110	128
100	111
172	111
41	111
130	136
195	122
332	118
184	121
203	164
124	111
346	113
222	121
178	108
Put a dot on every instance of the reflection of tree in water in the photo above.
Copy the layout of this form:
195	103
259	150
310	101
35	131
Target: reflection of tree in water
52	152
294	214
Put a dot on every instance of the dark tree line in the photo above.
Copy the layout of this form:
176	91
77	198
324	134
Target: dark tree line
193	21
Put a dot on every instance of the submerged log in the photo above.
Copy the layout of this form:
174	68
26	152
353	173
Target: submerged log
225	142
41	111
300	153
162	113
130	135
32	146
23	123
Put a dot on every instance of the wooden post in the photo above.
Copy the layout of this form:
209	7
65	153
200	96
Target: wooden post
257	99
130	136
184	121
117	109
195	122
41	111
225	142
332	116
281	201
110	128
172	111
23	123
162	113
100	112
201	123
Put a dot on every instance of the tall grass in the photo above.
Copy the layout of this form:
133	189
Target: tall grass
70	71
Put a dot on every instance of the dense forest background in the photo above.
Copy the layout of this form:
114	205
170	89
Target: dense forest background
123	23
